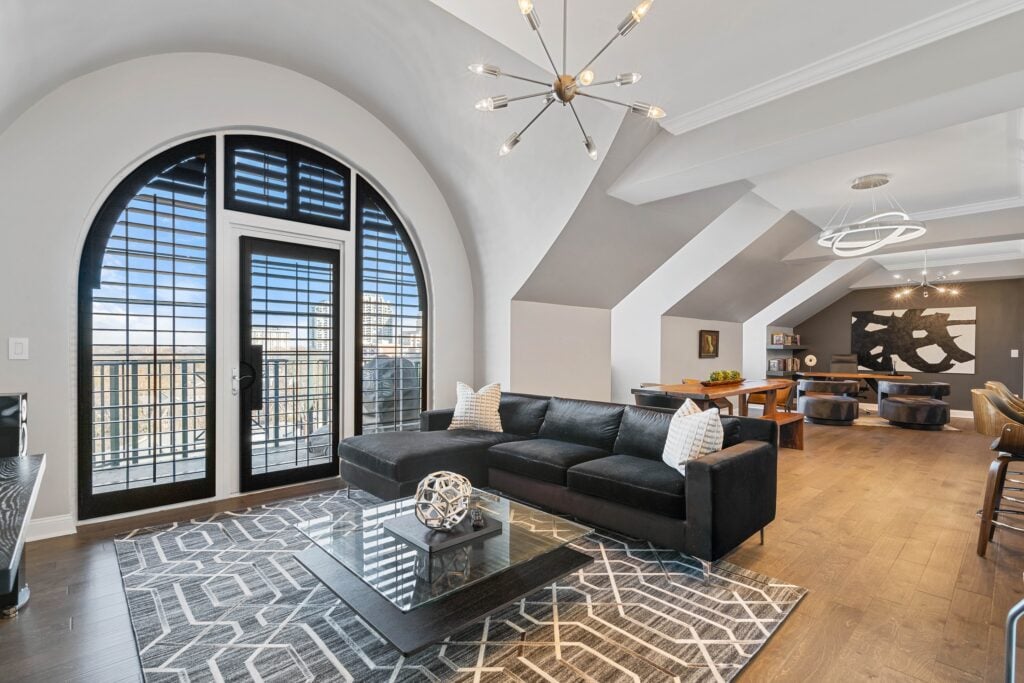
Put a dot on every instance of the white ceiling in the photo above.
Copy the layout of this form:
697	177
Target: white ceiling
696	54
939	173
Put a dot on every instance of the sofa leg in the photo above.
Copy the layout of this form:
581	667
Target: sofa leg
762	535
705	567
348	490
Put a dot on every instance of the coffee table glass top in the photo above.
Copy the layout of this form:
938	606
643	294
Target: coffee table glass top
408	576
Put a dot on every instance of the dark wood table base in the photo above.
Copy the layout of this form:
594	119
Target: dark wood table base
422	626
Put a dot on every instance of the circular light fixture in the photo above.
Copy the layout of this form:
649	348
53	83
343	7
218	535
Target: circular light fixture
880	229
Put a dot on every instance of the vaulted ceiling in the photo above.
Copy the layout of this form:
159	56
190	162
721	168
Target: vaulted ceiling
787	99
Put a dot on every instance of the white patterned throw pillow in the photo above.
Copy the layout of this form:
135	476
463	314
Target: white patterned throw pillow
693	433
477	410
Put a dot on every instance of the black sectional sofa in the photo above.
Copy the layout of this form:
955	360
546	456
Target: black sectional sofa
599	462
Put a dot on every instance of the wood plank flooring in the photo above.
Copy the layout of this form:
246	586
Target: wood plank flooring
877	523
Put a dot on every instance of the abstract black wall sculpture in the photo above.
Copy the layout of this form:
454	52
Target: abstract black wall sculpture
940	340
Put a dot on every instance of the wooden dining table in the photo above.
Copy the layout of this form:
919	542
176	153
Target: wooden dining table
706	395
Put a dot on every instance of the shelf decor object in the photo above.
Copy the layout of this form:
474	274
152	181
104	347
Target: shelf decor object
442	500
882	227
566	86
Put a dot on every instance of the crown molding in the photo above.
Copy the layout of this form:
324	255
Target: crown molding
969	209
900	41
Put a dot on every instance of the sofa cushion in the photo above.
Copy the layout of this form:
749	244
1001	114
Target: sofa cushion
407	456
691	436
642	483
522	414
584	422
642	432
542	459
731	429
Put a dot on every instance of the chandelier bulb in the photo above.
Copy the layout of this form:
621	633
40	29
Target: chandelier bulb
642	9
525	6
649	110
586	77
591	147
627	79
509	144
492	103
485	70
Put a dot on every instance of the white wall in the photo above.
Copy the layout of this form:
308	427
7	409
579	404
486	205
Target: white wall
636	320
561	351
679	348
61	158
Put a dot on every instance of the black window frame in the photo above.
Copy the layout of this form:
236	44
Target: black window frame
364	192
294	154
90	268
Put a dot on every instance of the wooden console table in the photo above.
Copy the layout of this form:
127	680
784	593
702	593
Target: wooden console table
20	479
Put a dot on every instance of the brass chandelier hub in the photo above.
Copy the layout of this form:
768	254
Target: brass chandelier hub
565	88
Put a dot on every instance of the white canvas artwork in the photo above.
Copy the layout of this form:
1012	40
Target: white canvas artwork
933	340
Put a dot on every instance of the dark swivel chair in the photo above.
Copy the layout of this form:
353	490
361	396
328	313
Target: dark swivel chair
847	362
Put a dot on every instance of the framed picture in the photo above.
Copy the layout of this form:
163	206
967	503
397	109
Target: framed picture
778	339
708	344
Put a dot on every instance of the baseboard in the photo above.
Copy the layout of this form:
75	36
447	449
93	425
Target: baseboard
50	527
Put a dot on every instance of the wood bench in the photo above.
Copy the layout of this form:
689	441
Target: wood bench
19	486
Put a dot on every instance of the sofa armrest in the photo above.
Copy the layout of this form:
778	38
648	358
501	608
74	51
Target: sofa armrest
759	429
436	420
730	496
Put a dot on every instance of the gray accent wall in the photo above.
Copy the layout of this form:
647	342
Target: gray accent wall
1000	305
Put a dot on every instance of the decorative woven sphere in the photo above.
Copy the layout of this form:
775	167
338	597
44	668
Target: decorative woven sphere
442	500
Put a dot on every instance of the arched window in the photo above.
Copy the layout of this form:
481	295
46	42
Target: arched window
146	338
147	320
392	320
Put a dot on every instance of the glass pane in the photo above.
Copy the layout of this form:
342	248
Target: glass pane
392	319
149	320
293	320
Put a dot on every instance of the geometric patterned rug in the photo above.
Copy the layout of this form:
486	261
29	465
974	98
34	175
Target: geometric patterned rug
222	598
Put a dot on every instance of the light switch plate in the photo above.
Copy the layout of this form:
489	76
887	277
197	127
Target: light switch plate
17	348
1014	353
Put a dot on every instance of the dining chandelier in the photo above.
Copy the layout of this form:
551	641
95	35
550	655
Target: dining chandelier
883	226
566	86
927	283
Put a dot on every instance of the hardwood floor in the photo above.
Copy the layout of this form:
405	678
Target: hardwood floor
877	523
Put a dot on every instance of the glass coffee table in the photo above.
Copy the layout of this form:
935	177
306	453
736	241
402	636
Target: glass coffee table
417	598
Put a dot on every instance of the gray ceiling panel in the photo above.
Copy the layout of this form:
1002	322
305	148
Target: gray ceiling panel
754	278
827	295
610	246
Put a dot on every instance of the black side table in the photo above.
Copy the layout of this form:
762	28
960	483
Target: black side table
20	478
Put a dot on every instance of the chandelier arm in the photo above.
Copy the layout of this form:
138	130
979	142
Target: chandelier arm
524	78
551	61
549	91
578	122
608	82
534	119
565	34
604	99
599	53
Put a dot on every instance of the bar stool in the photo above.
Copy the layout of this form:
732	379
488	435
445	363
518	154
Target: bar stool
1001	479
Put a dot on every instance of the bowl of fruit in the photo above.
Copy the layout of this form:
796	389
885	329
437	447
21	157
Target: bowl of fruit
720	378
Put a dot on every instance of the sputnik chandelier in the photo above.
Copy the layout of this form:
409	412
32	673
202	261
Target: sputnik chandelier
927	283
880	228
565	86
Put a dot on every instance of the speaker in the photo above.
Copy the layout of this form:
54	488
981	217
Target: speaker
13	425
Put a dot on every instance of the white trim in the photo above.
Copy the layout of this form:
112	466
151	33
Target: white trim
970	209
966	414
886	46
50	527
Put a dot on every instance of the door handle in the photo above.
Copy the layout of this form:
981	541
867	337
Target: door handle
252	380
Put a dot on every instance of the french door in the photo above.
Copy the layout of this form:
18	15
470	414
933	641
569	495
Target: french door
289	355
